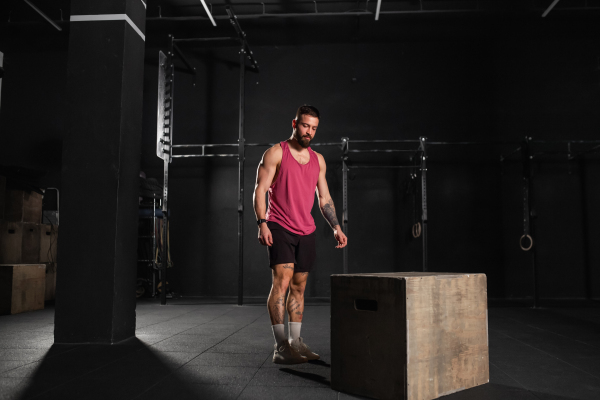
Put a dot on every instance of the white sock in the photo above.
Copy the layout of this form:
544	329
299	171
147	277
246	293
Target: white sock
278	333
294	330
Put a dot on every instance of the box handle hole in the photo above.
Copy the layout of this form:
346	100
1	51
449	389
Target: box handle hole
11	231
365	305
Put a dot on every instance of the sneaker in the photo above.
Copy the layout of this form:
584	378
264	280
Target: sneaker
285	354
303	349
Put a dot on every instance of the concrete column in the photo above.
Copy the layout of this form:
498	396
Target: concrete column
96	273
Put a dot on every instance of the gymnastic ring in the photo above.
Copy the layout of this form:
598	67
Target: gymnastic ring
416	230
530	242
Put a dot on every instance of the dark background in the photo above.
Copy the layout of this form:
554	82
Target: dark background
496	75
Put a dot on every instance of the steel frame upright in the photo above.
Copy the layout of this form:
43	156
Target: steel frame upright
241	159
422	152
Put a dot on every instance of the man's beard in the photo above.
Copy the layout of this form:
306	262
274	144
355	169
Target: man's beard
304	142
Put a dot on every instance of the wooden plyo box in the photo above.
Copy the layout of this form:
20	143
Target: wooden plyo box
22	206
22	288
408	335
19	243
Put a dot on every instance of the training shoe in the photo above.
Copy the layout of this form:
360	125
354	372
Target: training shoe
303	349
286	354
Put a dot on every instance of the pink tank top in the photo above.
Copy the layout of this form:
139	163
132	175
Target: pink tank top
292	195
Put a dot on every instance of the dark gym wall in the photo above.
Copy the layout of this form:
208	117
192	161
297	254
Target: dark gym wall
447	79
456	81
33	106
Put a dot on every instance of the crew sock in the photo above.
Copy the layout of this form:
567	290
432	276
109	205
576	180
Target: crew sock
278	333
294	330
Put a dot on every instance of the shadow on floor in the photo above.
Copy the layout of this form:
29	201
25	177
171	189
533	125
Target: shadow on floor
121	371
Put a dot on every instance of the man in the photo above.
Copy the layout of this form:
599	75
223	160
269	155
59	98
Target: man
290	171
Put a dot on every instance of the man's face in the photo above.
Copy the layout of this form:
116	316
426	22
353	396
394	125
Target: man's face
304	129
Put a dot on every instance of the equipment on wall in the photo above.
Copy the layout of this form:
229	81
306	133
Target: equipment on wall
164	141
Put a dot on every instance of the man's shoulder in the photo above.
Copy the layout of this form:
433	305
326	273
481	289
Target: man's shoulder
319	156
274	153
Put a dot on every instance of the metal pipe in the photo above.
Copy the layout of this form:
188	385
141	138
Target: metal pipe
385	141
207	145
550	8
167	160
380	166
321	14
241	160
203	155
208	13
184	59
423	148
383	151
212	39
345	144
47	18
242	35
378	10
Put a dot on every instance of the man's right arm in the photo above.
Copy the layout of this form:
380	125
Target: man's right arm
264	177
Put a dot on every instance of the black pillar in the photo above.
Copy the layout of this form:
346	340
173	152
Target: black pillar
95	295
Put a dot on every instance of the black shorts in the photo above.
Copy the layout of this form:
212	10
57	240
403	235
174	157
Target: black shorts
290	248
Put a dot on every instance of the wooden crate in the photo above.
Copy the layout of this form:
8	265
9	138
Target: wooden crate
410	335
48	243
22	206
22	288
19	243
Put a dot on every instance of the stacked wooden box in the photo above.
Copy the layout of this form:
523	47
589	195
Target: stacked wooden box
25	245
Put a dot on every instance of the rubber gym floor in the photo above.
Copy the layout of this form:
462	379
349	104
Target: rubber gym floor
215	351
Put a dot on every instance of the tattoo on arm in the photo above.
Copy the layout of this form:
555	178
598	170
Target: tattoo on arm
328	211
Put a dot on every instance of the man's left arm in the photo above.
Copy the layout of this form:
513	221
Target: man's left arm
327	207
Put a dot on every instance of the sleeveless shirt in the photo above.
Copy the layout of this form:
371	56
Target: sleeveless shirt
292	195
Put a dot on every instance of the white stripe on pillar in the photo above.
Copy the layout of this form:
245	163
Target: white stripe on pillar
108	17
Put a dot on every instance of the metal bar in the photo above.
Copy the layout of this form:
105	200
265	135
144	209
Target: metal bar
384	151
378	10
320	14
550	8
234	21
566	141
210	39
423	148
167	160
386	141
47	18
527	205
241	149
592	150
345	144
208	13
380	166
207	145
472	143
503	157
153	244
184	59
203	155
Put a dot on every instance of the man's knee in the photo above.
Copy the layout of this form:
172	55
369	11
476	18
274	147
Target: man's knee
297	289
281	284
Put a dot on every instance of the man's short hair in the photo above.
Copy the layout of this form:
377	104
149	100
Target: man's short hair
307	110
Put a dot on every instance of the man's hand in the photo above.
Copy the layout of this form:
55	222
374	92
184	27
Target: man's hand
264	235
340	237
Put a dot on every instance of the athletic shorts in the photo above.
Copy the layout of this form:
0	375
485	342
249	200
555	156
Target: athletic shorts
291	248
